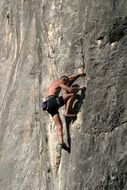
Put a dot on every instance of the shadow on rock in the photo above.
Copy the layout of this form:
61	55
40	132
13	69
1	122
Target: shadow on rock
68	120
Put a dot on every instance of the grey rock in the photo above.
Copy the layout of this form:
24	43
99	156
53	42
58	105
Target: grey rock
40	41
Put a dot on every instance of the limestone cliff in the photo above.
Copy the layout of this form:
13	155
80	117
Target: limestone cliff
39	41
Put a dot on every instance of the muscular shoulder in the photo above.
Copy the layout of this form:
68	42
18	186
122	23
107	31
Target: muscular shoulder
54	88
57	82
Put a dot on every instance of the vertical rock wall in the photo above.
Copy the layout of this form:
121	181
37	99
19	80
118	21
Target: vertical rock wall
40	41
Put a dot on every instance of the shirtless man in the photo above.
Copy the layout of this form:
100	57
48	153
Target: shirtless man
55	101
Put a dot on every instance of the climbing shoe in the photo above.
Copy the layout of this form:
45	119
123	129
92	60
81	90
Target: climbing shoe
65	147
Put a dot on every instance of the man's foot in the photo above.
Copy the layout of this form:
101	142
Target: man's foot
70	115
65	147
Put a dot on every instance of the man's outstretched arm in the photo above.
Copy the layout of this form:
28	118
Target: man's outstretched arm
72	89
76	76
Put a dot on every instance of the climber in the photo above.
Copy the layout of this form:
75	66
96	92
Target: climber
54	101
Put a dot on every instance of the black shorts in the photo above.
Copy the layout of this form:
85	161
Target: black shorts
54	103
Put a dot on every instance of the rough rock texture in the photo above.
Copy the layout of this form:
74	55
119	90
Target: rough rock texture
39	41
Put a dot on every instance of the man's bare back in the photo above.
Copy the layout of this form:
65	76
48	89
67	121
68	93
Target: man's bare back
55	88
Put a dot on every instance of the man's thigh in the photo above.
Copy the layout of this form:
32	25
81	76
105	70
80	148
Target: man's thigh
66	97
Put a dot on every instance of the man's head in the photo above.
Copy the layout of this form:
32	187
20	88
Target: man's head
65	79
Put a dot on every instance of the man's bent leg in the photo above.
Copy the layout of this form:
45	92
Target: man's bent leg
59	126
69	100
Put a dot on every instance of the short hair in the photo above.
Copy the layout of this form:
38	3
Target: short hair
65	78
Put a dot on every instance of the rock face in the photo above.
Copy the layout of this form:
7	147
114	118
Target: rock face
40	41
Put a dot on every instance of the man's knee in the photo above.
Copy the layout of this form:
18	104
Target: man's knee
73	96
67	97
70	95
